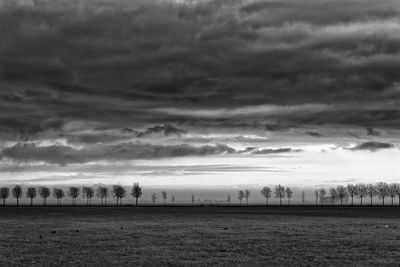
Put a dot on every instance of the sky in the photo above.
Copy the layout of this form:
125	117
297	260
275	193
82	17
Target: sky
201	94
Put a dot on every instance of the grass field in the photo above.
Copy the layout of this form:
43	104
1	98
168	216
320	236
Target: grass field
127	236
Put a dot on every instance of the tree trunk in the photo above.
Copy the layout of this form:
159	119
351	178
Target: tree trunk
371	200
280	201
4	201
18	202
341	201
31	201
383	201
361	200
392	201
137	201
352	200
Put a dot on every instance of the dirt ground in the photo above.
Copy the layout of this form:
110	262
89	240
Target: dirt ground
127	236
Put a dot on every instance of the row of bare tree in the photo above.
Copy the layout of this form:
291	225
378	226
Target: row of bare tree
361	191
102	192
322	195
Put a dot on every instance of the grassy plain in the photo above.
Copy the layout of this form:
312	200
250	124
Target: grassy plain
127	236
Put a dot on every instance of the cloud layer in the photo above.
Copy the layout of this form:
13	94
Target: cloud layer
120	62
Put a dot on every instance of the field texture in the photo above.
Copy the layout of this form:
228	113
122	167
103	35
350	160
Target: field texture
127	236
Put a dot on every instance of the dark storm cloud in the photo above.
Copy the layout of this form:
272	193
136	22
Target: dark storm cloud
372	146
118	62
63	155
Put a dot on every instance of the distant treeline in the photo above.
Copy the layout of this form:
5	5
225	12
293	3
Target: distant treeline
322	196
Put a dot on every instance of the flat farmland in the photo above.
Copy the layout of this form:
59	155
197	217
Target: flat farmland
253	235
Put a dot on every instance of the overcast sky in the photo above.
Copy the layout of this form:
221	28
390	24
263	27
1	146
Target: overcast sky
199	93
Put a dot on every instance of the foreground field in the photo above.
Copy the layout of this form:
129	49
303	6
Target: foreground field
199	235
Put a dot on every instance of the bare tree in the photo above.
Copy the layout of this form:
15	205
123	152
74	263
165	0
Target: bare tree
102	193
17	192
4	194
136	192
322	194
44	193
240	196
164	196
333	194
73	192
398	191
316	195
352	191
246	196
279	192
119	192
58	193
371	191
303	197
341	193
153	198
267	193
289	194
392	191
362	191
88	193
382	191
31	193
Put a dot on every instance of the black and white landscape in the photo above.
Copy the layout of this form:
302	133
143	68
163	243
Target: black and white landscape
199	132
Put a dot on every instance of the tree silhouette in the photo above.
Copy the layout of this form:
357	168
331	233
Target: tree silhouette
136	192
153	198
267	193
17	192
371	191
352	191
58	194
246	196
119	192
397	186
289	194
88	193
341	193
362	191
392	191
333	194
240	196
303	197
164	196
382	191
102	193
322	194
73	192
316	195
31	193
44	193
279	192
4	194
